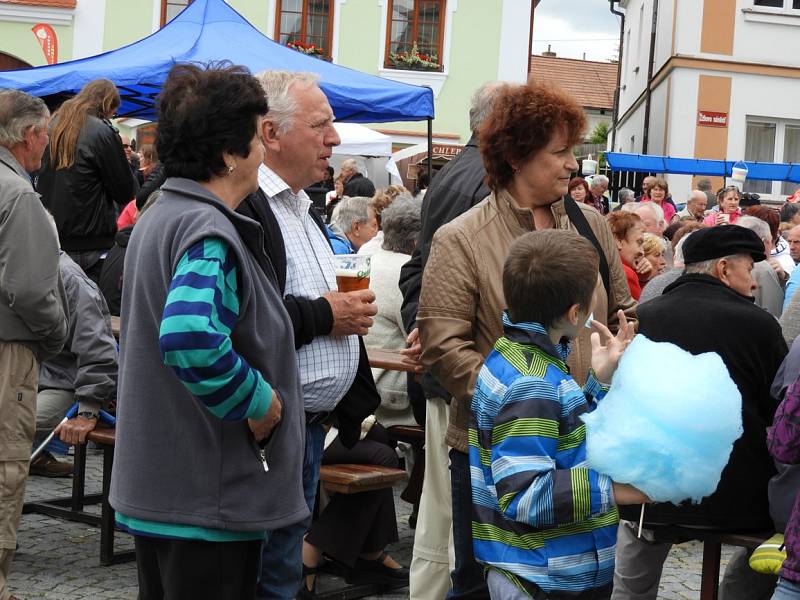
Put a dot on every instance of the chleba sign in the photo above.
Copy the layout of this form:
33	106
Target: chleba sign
706	118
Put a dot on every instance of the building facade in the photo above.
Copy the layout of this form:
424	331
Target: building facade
714	79
452	46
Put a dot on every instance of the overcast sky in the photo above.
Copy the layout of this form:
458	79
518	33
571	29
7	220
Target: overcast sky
575	27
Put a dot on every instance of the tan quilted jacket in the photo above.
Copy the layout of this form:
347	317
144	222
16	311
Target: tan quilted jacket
462	296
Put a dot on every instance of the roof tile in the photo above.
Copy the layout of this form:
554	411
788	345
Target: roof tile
592	83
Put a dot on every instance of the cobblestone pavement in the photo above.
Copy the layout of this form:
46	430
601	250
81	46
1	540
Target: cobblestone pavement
59	560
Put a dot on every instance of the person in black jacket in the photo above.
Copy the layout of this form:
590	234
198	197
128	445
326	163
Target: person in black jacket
457	187
710	309
298	134
85	178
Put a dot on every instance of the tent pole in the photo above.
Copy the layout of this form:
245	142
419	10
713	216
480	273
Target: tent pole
430	150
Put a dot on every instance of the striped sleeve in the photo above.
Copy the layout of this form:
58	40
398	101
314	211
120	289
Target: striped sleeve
195	336
530	487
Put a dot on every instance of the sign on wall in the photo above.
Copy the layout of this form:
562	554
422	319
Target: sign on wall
707	118
48	41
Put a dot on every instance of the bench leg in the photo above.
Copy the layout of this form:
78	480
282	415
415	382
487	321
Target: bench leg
78	478
106	512
709	584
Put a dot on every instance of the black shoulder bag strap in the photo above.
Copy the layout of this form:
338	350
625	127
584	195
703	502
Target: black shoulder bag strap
576	217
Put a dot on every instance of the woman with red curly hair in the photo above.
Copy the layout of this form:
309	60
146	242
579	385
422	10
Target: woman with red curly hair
527	144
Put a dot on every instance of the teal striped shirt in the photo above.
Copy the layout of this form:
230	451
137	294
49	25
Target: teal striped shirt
195	338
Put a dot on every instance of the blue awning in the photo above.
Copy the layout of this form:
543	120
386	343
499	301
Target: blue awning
210	30
644	163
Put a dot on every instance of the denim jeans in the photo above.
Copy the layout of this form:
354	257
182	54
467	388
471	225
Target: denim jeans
467	577
786	590
282	554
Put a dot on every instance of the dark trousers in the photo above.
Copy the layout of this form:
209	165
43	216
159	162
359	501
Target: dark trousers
363	523
172	569
467	577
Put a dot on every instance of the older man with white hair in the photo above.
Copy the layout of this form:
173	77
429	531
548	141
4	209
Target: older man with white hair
598	188
298	135
33	323
695	207
769	293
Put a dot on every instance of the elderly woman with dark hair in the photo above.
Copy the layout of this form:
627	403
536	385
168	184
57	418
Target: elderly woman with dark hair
527	146
207	361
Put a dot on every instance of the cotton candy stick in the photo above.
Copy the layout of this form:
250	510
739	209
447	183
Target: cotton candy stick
641	522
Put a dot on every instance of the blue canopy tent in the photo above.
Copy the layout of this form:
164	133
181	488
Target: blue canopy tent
643	163
210	30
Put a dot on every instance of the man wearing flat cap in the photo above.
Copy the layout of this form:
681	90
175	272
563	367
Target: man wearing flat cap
710	308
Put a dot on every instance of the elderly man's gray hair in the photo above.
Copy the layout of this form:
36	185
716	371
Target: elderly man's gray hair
482	101
18	113
756	225
401	222
655	210
706	267
282	105
599	180
350	210
625	195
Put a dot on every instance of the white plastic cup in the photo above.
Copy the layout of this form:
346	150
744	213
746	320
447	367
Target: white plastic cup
589	166
739	174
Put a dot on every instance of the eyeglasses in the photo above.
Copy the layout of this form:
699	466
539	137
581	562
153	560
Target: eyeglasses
126	145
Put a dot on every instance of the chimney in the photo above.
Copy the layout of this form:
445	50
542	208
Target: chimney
549	52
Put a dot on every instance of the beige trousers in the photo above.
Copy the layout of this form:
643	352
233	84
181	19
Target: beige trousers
433	557
19	374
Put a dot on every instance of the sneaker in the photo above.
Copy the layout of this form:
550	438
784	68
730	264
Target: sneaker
47	465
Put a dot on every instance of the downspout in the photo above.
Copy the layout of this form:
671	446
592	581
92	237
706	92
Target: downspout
430	150
614	119
530	38
650	66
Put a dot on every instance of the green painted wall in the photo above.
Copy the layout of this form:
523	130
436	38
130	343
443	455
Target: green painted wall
472	62
126	22
18	40
256	12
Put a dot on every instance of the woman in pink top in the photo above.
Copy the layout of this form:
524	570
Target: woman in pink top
658	194
728	199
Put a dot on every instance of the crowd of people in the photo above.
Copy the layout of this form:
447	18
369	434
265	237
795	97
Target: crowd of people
515	286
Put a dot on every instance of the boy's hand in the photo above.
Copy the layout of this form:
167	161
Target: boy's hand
607	348
627	494
263	427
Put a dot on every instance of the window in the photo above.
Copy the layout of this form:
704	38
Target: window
772	141
786	4
171	8
415	35
305	25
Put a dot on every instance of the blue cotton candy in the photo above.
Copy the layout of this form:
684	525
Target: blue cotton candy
668	423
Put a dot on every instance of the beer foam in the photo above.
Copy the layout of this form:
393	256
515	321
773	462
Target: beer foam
349	273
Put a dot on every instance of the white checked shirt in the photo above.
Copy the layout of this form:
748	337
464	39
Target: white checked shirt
328	364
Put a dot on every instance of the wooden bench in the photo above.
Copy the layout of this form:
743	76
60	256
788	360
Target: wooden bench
712	548
72	507
352	479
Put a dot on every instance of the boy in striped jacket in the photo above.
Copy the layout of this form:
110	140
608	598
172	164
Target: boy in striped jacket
544	524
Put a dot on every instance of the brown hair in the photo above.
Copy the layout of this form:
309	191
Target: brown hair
384	197
523	120
149	154
685	230
546	272
577	182
98	98
771	216
622	222
660	182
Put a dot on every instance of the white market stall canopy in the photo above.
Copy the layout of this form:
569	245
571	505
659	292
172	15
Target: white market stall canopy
358	140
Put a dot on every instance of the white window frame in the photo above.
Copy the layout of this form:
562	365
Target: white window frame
776	190
785	9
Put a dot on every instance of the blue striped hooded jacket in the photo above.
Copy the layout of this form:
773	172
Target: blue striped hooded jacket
540	515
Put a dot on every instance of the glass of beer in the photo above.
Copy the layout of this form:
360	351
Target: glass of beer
352	272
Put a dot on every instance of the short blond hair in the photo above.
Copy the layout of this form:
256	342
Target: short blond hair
653	244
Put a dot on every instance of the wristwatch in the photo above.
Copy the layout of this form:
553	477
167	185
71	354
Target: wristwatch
87	414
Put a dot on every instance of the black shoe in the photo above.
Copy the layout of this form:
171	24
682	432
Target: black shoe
47	465
374	571
304	593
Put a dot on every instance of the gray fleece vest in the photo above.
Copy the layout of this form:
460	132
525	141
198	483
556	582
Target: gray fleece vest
174	461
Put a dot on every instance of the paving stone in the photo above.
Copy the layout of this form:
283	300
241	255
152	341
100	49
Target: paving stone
60	560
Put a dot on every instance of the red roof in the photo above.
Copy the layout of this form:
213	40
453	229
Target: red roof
44	3
592	83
